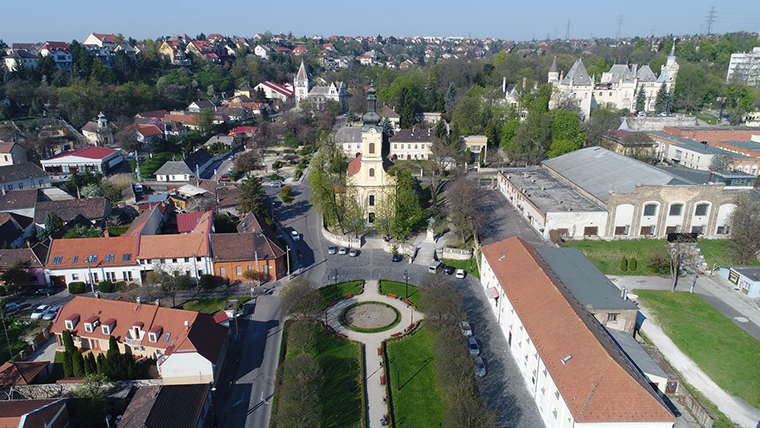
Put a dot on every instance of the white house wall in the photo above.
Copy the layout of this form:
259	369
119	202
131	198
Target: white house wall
576	222
186	368
82	273
181	265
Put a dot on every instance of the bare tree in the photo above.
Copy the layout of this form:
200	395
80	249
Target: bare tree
745	228
298	402
435	167
720	162
464	197
300	300
301	336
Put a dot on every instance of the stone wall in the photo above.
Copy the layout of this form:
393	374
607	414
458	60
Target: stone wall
406	249
657	123
54	390
342	240
454	253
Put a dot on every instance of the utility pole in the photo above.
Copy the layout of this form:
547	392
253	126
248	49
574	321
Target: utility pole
710	20
567	30
620	27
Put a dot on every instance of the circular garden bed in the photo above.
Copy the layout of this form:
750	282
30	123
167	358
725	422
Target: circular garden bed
370	317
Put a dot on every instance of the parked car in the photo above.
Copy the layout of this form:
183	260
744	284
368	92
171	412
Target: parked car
480	367
473	345
353	252
138	188
342	251
39	311
331	249
460	274
50	313
448	270
275	184
42	292
466	329
396	257
294	234
12	307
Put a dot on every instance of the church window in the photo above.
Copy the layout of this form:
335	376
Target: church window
372	172
372	200
372	148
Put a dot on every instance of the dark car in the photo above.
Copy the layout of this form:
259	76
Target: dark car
396	257
448	270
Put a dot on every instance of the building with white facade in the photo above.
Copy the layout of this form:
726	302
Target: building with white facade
92	260
744	68
304	90
94	159
411	144
573	370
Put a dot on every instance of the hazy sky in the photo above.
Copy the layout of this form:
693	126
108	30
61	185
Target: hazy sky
61	20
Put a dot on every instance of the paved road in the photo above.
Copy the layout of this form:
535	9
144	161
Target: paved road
502	221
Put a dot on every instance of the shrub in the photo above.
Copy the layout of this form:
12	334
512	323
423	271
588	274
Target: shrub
277	165
207	282
121	286
251	275
632	264
394	249
106	287
298	174
77	287
623	264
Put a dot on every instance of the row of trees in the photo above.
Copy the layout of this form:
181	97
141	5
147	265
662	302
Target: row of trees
113	364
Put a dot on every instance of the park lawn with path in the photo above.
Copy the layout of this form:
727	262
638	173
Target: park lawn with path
721	253
720	348
606	255
211	305
419	403
330	291
340	391
399	289
152	163
470	266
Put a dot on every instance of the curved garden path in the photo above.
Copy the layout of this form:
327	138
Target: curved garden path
376	399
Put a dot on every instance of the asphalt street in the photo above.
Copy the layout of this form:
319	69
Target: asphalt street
502	221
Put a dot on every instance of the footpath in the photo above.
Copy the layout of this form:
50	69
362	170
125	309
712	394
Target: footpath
377	406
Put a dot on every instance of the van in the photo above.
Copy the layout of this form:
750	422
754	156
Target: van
435	267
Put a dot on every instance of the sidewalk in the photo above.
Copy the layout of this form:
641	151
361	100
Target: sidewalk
376	398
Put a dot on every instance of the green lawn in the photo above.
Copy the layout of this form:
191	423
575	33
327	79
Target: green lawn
18	329
710	119
330	291
399	289
722	350
606	255
419	403
151	164
211	305
719	252
340	393
469	265
117	230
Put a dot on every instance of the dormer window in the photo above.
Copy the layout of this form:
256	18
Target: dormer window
91	324
154	333
137	327
108	326
72	321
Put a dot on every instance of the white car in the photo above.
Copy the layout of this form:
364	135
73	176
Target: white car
50	313
342	251
460	274
37	313
294	234
466	329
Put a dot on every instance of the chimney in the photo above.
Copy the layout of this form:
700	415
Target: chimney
105	233
623	293
138	300
158	302
187	325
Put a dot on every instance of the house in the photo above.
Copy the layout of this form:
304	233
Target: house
227	140
593	192
169	406
190	346
35	268
93	209
20	202
275	91
411	144
25	58
301	50
202	49
148	134
14	373
95	159
92	260
573	370
253	248
187	222
11	153
349	138
368	58
14	229
48	413
688	153
626	142
59	51
150	221
23	176
200	105
263	51
184	170
174	51
187	254
393	117
304	90
743	278
478	147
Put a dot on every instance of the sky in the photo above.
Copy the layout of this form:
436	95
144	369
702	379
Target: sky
57	20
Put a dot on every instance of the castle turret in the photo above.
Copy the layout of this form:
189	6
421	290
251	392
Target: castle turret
671	65
302	84
554	72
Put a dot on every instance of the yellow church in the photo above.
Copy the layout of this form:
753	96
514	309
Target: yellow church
368	172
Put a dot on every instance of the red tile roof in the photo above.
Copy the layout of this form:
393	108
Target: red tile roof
21	372
599	384
92	152
278	88
243	130
73	253
149	130
186	222
355	166
173	246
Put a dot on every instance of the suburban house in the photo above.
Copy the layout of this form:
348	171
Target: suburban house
93	209
227	140
150	221
27	60
593	192
175	52
59	51
184	170
25	175
274	91
148	134
202	49
48	413
24	372
169	406
411	144
92	260
94	159
199	106
477	145
574	371
35	268
190	346
21	202
253	248
11	153
187	254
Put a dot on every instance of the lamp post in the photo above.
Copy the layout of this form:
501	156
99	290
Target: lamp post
336	284
406	283
287	247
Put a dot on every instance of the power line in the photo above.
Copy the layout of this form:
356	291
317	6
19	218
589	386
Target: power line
567	31
620	27
710	20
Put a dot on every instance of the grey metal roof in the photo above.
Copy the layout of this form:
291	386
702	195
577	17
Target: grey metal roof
694	175
547	192
646	74
349	134
618	72
636	353
577	75
601	172
553	68
751	145
587	283
21	171
664	77
751	272
694	146
174	168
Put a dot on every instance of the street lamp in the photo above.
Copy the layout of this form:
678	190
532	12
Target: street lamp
288	257
336	284
406	283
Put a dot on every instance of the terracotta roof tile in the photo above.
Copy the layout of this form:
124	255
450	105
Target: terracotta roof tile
173	246
21	372
599	384
73	253
355	166
90	208
243	246
92	152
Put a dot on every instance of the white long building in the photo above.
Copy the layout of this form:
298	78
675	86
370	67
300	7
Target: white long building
576	374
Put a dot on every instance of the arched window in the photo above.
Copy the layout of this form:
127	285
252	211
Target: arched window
372	148
372	172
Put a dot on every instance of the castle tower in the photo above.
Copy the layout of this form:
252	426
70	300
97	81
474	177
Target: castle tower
302	84
553	72
671	65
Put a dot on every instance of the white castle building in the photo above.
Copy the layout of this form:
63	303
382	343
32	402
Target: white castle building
335	91
617	88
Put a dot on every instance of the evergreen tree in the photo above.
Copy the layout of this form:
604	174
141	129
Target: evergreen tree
252	198
451	97
90	367
68	342
78	363
662	101
641	100
406	108
101	363
68	365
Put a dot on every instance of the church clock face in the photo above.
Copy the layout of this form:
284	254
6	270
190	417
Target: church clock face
371	132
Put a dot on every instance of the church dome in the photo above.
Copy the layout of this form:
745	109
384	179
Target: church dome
371	117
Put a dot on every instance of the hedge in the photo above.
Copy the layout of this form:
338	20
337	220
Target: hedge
77	287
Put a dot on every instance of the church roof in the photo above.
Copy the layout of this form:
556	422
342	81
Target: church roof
302	73
355	166
664	76
554	65
577	75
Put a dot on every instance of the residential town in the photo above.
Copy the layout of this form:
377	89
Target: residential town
357	231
